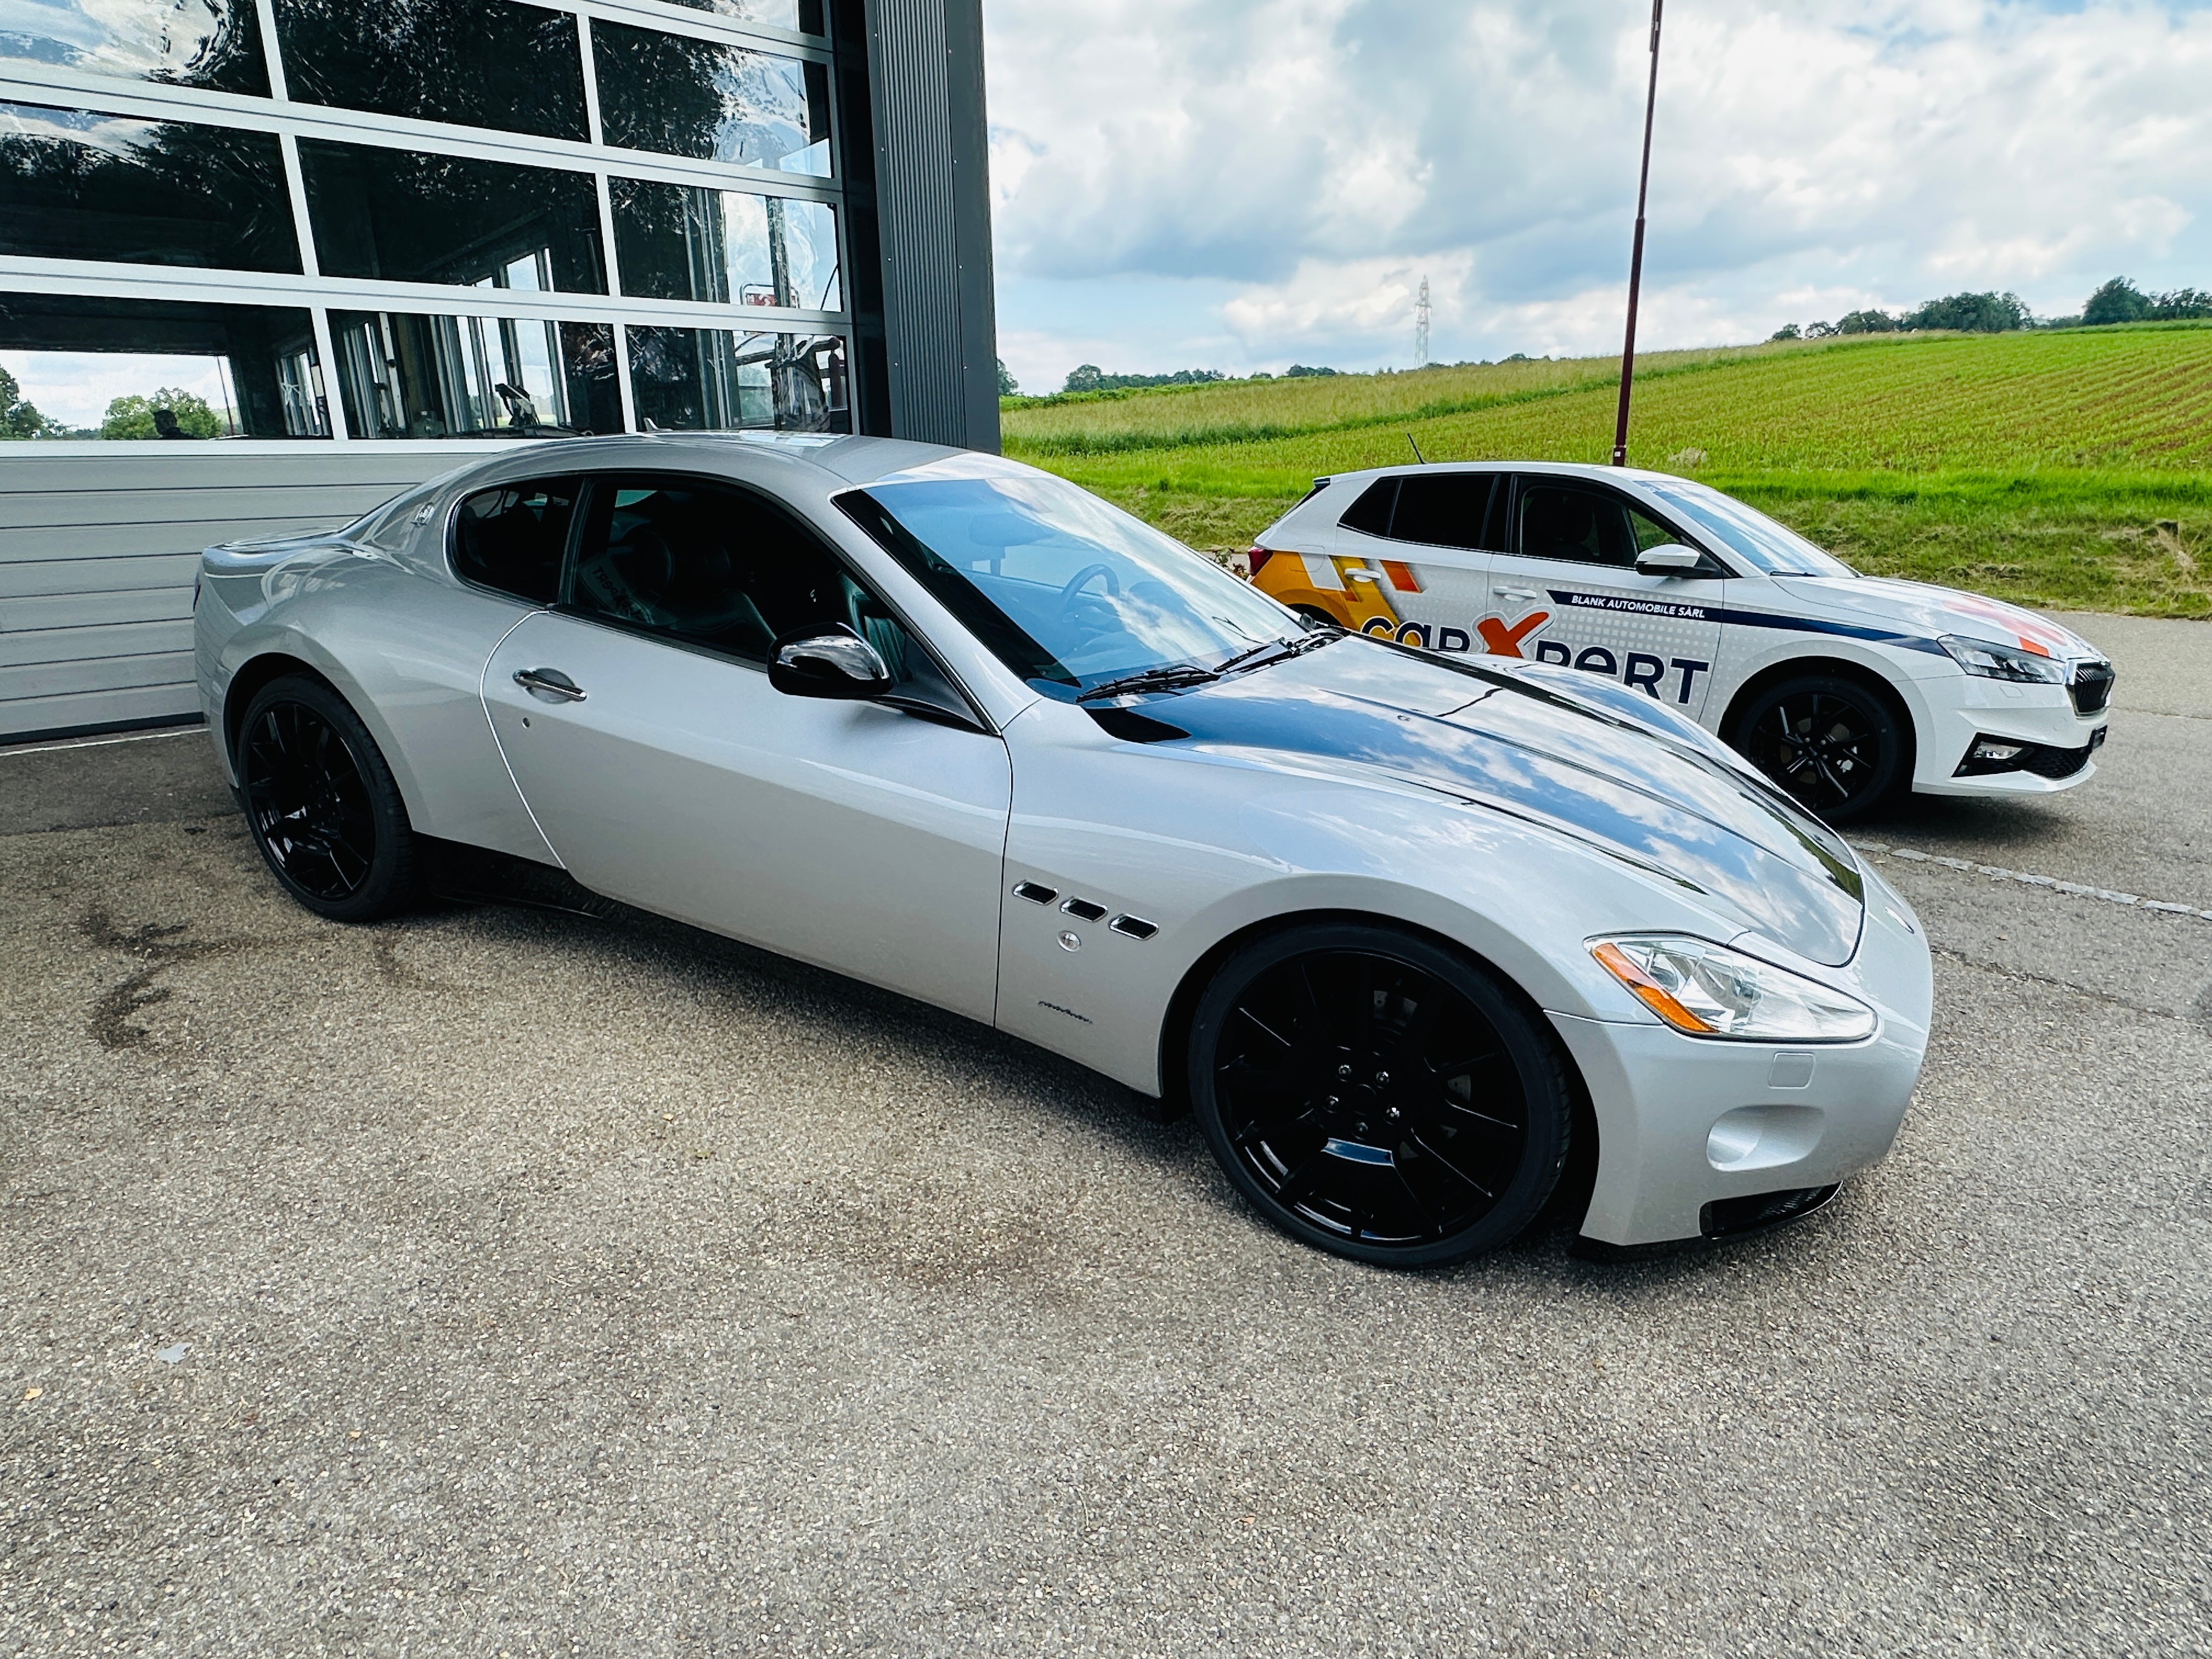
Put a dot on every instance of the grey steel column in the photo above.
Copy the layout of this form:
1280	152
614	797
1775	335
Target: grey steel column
934	221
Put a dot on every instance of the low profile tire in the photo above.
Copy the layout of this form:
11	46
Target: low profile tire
1835	745
322	805
1372	1093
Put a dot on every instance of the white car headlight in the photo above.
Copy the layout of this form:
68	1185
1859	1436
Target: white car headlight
1709	991
2002	662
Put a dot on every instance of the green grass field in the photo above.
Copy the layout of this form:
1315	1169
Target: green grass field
2034	467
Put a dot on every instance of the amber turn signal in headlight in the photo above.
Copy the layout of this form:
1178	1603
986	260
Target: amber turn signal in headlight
1708	990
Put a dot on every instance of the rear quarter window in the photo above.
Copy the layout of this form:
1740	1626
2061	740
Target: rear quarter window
512	538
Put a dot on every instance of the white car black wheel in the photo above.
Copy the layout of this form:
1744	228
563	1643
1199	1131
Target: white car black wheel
1833	744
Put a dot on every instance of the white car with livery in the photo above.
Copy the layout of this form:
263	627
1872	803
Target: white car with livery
1843	689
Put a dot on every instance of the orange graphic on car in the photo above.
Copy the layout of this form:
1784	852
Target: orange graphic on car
1354	594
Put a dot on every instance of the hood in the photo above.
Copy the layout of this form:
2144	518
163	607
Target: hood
1925	611
1533	750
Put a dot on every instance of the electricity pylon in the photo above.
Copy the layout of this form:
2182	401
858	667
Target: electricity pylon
1421	327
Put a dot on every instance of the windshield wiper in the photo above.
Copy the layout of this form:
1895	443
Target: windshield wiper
1167	677
1282	649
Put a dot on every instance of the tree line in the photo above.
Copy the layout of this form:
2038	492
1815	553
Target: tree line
169	412
2119	300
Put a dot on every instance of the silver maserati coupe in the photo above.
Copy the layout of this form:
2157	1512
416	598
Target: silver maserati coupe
1412	936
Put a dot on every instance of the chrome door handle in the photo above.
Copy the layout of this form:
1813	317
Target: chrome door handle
551	682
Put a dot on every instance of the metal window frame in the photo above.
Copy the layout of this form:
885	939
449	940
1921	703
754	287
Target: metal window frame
320	294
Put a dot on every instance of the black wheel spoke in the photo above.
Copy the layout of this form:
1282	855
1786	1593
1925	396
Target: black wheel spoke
309	802
1330	1100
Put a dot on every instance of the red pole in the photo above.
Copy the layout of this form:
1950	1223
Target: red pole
1636	258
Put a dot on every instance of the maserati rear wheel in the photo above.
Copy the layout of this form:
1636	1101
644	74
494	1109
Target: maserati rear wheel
1373	1093
322	804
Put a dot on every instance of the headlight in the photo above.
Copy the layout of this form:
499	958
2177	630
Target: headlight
1709	991
2002	662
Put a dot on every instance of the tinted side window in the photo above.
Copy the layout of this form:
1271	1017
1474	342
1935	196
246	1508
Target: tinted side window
707	565
1371	512
512	537
1444	509
1575	523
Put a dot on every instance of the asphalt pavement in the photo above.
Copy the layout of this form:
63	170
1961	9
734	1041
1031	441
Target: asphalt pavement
497	1282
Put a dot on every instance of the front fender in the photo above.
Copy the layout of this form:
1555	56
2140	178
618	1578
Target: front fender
1203	850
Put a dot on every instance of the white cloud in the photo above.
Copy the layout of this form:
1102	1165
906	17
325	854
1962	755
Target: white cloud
1268	179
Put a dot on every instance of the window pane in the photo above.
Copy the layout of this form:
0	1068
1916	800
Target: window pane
710	379
1442	509
186	43
683	242
156	369
714	103
1565	521
418	218
78	186
805	16
514	67
407	376
512	538
1370	513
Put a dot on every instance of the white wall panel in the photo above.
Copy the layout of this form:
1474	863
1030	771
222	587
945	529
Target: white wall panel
99	548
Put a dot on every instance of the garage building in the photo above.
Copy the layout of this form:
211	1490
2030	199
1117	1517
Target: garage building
264	263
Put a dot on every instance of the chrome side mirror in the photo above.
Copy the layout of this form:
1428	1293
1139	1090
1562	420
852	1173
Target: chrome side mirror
830	662
1671	560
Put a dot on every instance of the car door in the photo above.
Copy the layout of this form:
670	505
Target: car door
1413	551
1565	590
665	772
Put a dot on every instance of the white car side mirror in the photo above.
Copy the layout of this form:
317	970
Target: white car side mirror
1671	560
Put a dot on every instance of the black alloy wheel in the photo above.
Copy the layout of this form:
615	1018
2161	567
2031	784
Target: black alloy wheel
322	804
1833	744
1376	1095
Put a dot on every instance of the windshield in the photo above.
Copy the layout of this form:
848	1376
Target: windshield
1766	546
1070	593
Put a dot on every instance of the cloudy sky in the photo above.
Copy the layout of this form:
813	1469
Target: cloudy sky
1243	183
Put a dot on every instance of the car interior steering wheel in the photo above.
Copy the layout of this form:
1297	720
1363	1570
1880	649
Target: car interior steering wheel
1076	583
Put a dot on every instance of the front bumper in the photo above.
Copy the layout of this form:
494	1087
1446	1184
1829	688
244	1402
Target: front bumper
1684	1122
1963	709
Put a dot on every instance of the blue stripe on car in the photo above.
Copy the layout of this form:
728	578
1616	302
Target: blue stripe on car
1624	602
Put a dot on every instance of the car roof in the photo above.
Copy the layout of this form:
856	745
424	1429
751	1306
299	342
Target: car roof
1593	470
830	461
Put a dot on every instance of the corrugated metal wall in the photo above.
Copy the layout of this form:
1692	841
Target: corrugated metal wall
932	194
97	553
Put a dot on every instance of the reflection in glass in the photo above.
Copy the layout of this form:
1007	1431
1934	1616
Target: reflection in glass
516	68
407	376
420	218
805	16
158	369
714	103
78	186
713	379
188	43
684	242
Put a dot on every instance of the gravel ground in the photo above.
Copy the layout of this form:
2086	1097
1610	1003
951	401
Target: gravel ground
502	1283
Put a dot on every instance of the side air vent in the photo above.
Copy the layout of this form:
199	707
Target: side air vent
1132	927
1083	909
1035	893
